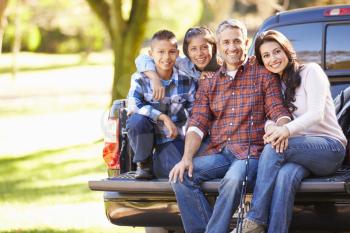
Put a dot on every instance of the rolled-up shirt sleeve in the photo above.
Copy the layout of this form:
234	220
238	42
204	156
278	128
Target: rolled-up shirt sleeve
145	63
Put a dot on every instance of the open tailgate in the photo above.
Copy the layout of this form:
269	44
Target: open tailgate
126	183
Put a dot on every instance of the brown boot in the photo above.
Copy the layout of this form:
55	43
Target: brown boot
144	170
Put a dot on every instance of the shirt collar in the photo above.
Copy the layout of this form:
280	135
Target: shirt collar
174	77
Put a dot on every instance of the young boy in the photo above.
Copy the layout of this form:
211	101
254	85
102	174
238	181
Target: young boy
157	126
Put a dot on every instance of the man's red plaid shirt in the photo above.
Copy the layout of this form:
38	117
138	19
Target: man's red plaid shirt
225	105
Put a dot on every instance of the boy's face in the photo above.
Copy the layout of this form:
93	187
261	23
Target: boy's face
164	54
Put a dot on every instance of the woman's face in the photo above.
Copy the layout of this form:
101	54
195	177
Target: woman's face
273	57
200	51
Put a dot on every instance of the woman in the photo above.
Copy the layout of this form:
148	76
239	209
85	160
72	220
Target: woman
312	143
200	50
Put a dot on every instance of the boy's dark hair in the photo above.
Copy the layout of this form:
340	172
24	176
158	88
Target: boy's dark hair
164	35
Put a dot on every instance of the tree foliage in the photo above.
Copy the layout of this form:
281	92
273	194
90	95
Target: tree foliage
58	26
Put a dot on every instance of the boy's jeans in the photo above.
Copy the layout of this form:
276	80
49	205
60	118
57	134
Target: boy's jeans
196	213
141	136
279	177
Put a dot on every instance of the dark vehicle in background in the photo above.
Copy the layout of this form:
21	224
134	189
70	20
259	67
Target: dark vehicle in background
320	35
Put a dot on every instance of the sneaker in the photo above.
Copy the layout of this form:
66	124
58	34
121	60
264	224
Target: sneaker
249	226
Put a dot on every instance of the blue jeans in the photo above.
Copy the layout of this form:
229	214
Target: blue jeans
141	136
196	213
280	174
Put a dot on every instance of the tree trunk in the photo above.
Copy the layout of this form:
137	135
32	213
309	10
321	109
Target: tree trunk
126	37
3	5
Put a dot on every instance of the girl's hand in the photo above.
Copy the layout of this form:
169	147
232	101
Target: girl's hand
207	74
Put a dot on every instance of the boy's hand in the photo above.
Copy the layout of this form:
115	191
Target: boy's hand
169	124
158	89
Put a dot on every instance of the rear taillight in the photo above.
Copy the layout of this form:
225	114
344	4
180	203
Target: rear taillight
111	152
111	128
337	12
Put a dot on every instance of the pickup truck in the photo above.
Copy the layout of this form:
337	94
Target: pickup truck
319	34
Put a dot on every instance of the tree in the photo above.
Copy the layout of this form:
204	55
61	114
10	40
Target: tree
3	5
126	37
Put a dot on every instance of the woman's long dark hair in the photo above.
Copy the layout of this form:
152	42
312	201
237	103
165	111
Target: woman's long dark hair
209	37
291	74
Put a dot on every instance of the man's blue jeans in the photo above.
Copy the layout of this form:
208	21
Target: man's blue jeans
280	174
196	213
141	136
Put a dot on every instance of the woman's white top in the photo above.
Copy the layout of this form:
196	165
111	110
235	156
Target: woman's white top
315	113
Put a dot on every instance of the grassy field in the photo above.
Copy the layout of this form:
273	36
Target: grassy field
51	142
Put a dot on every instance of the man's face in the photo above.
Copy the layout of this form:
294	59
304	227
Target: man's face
164	54
232	47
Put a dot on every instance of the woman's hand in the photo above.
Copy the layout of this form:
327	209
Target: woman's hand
278	137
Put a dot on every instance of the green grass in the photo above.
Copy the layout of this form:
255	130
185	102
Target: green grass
44	187
36	188
48	176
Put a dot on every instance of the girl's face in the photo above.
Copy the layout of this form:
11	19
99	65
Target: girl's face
273	57
200	51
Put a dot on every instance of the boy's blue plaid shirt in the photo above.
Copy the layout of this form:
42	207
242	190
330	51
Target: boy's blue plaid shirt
177	103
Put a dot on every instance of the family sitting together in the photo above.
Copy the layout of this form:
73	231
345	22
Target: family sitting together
195	119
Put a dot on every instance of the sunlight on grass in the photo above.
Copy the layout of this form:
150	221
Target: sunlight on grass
50	146
48	176
48	190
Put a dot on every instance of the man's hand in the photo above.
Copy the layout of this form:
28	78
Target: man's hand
177	173
158	89
169	124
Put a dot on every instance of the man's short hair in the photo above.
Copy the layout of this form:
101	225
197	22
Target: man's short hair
164	35
232	23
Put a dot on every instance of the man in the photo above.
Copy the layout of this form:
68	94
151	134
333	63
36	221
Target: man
240	93
158	124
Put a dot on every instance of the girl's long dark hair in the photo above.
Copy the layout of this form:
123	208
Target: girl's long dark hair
291	74
209	37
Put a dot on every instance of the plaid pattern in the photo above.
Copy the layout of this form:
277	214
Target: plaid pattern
224	106
177	103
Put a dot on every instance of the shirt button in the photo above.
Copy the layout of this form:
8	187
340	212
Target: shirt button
231	123
233	93
233	109
229	139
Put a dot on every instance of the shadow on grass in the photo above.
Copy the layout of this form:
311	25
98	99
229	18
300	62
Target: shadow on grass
54	175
